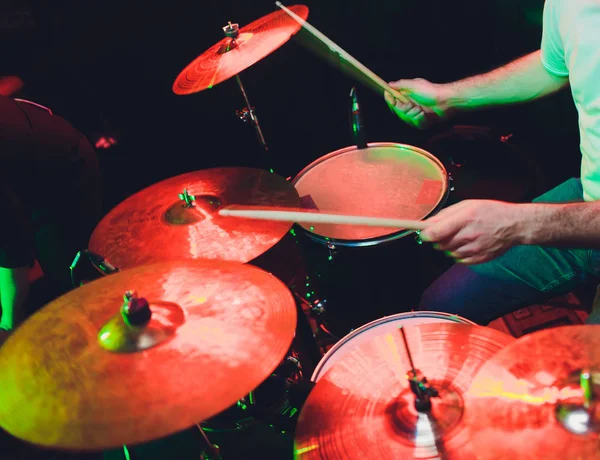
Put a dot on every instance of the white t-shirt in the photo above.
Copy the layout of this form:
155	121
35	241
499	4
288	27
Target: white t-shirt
571	47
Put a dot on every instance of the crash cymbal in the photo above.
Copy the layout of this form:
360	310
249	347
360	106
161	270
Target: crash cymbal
527	401
155	224
76	376
363	406
238	50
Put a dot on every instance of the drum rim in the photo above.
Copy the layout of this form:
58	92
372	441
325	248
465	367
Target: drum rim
385	238
386	319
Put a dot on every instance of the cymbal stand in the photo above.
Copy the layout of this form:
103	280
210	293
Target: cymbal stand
418	382
248	113
214	452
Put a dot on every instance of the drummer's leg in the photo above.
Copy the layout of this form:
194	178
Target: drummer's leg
521	277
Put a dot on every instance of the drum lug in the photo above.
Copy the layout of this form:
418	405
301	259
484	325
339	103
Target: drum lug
318	307
331	249
450	182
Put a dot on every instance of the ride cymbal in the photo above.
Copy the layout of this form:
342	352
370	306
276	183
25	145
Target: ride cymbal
530	400
363	407
240	49
158	224
82	374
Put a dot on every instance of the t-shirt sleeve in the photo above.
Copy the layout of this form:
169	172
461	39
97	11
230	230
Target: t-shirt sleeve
553	55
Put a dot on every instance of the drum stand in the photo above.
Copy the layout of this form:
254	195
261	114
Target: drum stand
213	452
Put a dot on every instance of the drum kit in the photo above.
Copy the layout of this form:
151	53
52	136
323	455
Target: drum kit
183	328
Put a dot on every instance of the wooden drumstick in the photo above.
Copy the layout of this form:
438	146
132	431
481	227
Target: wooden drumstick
312	217
375	80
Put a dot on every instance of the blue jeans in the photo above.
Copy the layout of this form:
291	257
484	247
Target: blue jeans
524	275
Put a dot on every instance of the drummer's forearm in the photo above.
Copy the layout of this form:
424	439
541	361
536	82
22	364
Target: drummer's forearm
573	225
522	80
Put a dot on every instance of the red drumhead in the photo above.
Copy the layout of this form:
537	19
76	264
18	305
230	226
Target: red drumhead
384	180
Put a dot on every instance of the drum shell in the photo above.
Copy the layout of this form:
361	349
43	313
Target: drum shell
360	274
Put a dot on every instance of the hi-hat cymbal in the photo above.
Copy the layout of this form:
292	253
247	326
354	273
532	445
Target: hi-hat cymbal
76	376
155	224
527	401
363	406
238	50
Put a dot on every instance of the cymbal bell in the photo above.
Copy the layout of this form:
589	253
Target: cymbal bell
178	219
529	401
240	49
363	407
92	372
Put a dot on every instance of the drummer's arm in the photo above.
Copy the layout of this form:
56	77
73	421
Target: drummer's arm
561	225
520	81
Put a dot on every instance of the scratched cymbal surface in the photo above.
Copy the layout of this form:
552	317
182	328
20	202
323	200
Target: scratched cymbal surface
153	225
363	406
229	57
226	326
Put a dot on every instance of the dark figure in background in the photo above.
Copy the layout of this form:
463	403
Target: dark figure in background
49	202
514	255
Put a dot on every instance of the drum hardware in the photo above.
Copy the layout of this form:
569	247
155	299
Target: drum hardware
88	266
419	385
274	401
356	124
278	399
248	115
187	198
317	309
214	451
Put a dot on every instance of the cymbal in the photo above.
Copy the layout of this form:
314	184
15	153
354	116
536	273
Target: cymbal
75	376
155	225
526	402
363	406
232	55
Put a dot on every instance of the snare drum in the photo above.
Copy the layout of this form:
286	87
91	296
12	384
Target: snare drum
378	327
360	277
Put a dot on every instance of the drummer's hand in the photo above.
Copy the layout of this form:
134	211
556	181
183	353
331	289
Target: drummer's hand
424	104
475	231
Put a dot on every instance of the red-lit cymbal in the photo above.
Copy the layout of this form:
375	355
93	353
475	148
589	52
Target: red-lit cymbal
154	224
75	376
527	402
363	406
231	56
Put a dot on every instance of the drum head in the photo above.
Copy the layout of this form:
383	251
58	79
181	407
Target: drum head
383	180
